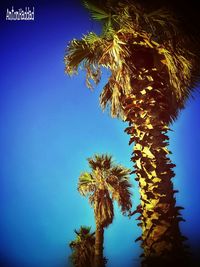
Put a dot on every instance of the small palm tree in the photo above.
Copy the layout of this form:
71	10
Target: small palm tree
105	183
153	66
83	247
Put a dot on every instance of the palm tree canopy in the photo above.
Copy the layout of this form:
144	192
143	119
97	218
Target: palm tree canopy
106	182
83	247
82	234
134	38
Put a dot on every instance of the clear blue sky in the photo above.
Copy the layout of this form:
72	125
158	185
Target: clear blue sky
49	124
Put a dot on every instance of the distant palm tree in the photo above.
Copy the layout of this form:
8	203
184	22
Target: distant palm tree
153	68
83	247
104	184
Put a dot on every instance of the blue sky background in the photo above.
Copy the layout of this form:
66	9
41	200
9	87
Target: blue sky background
49	124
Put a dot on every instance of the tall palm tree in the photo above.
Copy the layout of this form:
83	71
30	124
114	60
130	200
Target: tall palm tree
83	247
105	183
153	69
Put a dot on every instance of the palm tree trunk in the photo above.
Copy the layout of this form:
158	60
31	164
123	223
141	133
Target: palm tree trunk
147	112
99	239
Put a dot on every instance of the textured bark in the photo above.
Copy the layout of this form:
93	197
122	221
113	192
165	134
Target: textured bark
147	112
99	237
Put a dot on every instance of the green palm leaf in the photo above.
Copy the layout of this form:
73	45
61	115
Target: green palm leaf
97	13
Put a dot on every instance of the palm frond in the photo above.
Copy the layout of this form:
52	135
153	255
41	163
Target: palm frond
179	66
102	162
84	232
86	183
96	12
105	96
86	53
121	187
77	51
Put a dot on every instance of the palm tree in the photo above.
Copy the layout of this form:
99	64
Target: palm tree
106	182
83	247
153	66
